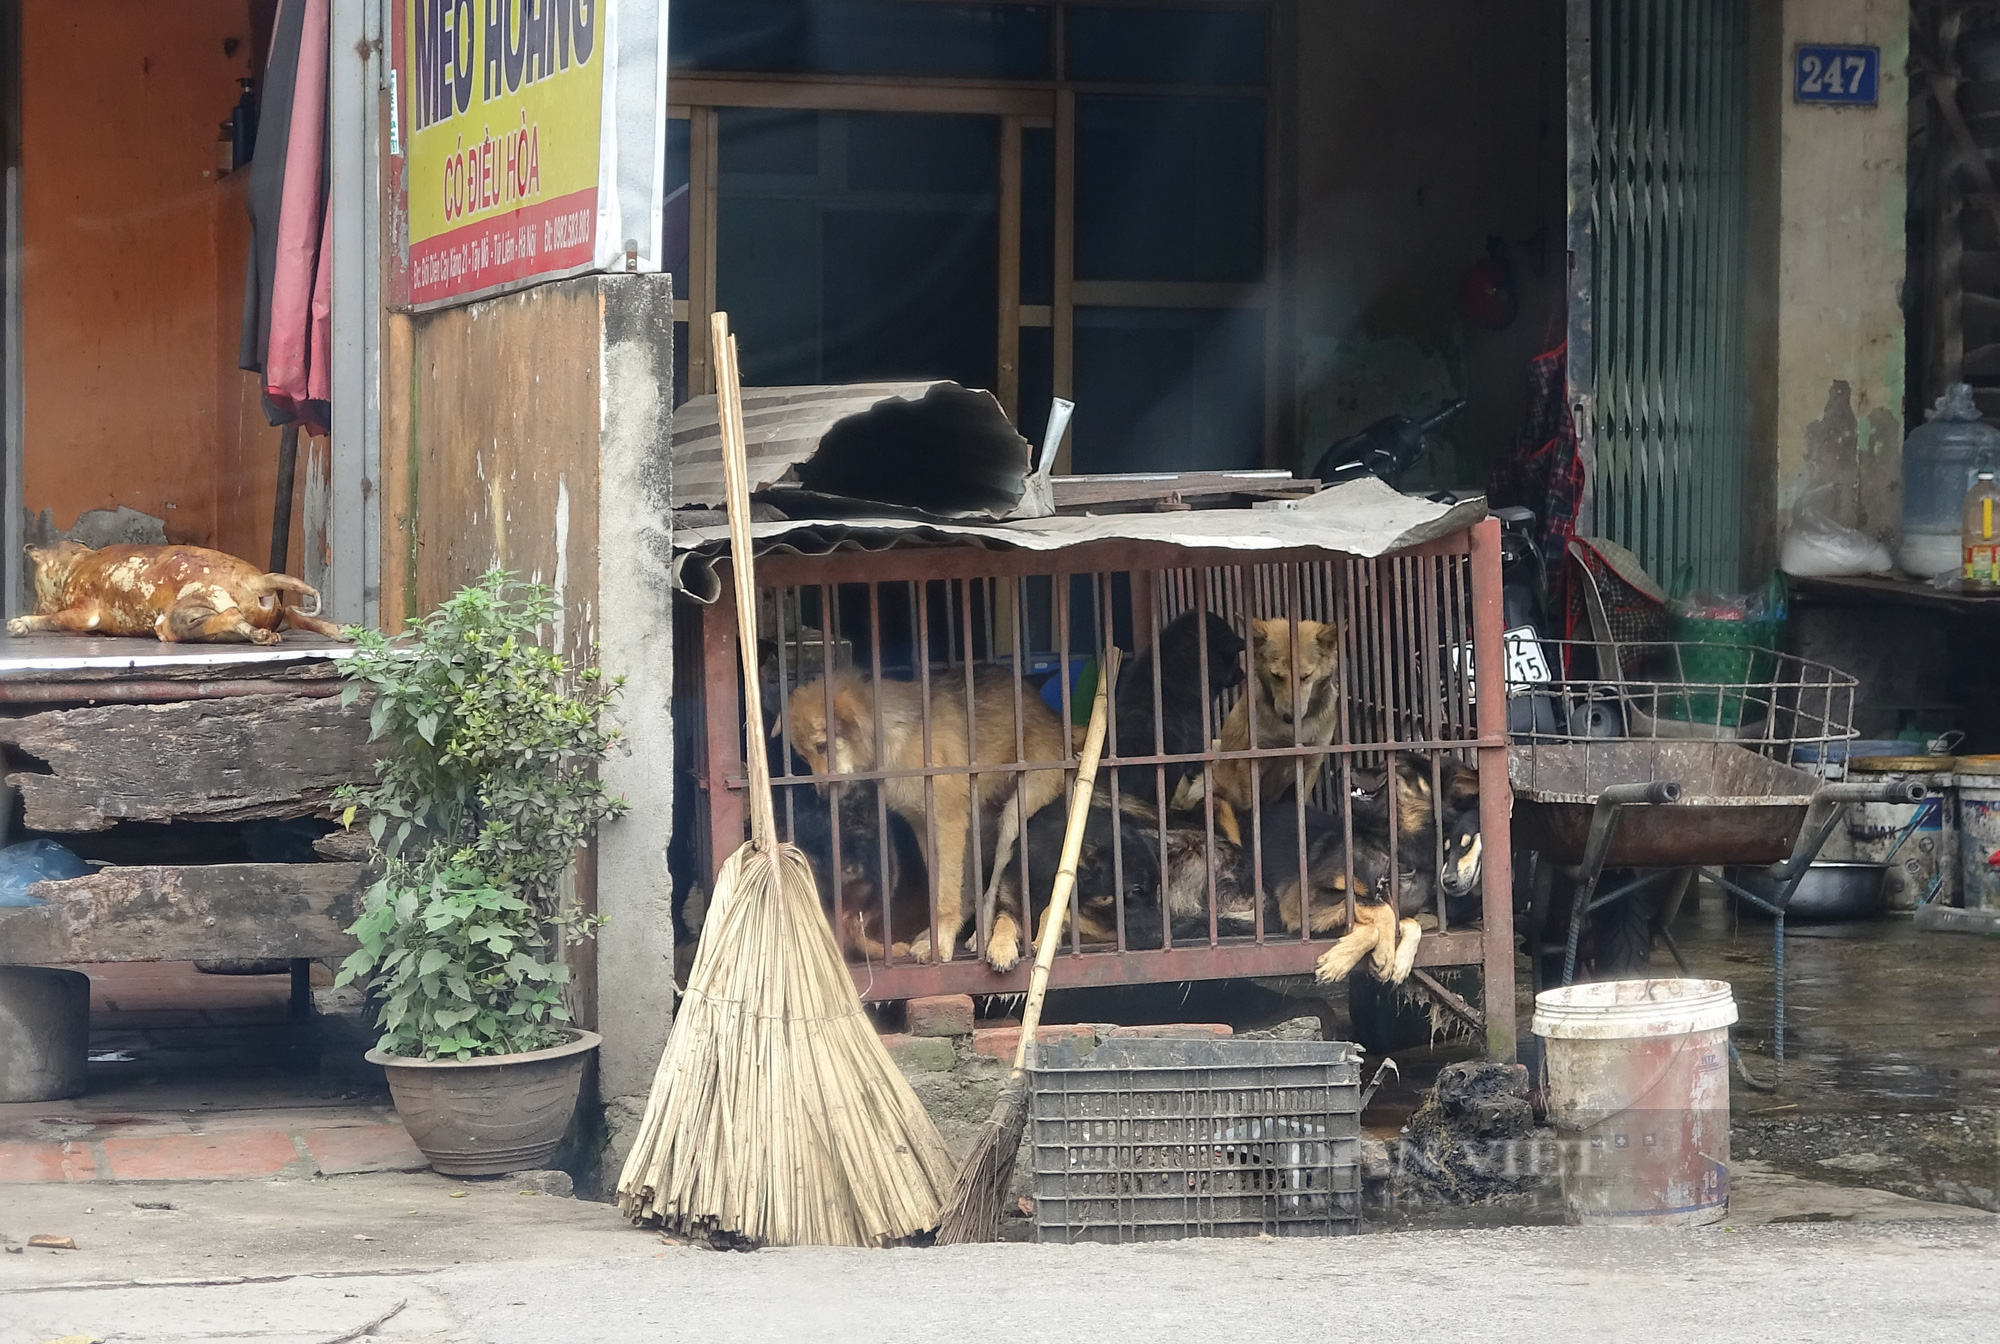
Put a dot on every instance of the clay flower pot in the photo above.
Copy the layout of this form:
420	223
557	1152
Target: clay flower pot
489	1116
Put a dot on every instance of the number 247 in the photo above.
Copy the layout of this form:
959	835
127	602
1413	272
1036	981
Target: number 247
1825	76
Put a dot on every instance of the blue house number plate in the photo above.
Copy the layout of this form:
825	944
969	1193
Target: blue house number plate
1844	75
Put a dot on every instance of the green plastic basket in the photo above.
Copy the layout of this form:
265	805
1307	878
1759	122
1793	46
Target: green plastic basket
1721	654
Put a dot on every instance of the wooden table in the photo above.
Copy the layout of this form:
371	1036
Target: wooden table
1873	590
107	740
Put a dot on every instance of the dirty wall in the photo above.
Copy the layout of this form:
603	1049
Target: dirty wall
1825	255
530	432
132	272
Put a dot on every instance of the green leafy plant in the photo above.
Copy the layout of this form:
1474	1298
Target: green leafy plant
486	792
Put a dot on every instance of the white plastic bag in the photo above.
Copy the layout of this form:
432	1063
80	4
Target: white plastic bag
1819	546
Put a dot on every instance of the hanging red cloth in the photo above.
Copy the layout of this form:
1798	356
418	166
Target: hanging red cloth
296	377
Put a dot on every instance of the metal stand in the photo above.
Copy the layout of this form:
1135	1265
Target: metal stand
1788	875
281	508
302	1034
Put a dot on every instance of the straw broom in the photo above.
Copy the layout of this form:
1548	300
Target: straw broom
972	1213
776	1116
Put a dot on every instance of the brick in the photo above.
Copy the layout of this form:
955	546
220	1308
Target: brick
1001	1042
45	1161
242	1155
921	1054
1176	1031
348	1149
940	1015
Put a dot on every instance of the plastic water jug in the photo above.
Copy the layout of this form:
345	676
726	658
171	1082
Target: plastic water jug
1940	460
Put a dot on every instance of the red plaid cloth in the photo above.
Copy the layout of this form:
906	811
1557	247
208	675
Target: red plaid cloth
1635	609
1543	468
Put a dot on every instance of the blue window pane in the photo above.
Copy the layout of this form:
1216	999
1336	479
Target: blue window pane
1038	383
674	208
1168	389
862	37
1170	188
1038	215
857	246
1165	46
768	143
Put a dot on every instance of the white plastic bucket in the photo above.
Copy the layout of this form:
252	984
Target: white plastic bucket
1638	1088
1978	799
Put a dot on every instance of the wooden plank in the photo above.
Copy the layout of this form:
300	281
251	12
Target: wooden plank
1075	492
702	155
1167	294
201	760
1062	312
1009	383
848	93
398	498
210	912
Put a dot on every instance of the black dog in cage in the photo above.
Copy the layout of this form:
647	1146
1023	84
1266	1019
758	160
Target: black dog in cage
1428	818
863	880
1119	863
1182	698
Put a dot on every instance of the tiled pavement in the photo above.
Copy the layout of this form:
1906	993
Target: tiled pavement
203	1094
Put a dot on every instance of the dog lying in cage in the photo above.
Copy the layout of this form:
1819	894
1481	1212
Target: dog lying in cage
863	878
1428	819
865	707
1437	850
1384	932
1125	869
1278	693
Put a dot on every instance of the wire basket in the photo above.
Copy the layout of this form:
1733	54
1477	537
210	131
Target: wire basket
1153	1140
1773	703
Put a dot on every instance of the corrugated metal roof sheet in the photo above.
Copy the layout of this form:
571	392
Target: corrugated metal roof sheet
1361	518
932	447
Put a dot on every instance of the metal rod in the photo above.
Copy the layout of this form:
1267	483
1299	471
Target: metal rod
281	506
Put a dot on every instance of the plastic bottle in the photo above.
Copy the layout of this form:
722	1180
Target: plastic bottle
1939	460
1981	534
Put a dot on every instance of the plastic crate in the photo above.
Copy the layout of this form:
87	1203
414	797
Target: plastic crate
1151	1140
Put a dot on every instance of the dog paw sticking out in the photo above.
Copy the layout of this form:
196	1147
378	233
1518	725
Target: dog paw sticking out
1387	944
181	594
1003	949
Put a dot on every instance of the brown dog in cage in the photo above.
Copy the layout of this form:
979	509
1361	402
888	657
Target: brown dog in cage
864	707
1310	694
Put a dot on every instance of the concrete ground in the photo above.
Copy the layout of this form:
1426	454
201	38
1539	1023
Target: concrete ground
1856	1204
416	1257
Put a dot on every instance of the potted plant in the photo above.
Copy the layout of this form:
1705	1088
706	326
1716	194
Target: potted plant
485	793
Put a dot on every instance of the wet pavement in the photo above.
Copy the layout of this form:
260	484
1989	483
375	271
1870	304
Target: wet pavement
1892	1050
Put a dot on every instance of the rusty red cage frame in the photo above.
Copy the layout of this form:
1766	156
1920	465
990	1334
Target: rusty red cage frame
1404	620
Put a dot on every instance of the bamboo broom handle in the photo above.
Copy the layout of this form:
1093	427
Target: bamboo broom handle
1079	816
736	481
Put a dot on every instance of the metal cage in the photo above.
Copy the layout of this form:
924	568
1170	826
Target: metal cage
964	633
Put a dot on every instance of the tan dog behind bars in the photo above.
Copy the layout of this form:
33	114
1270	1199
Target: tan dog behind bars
1271	684
858	704
182	594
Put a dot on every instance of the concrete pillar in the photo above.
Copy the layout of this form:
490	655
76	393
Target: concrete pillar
635	948
1825	266
44	1033
530	433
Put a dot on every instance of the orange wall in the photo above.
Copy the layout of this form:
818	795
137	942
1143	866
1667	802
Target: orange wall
132	270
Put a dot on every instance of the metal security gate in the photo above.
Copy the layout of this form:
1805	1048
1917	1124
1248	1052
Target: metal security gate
1656	135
